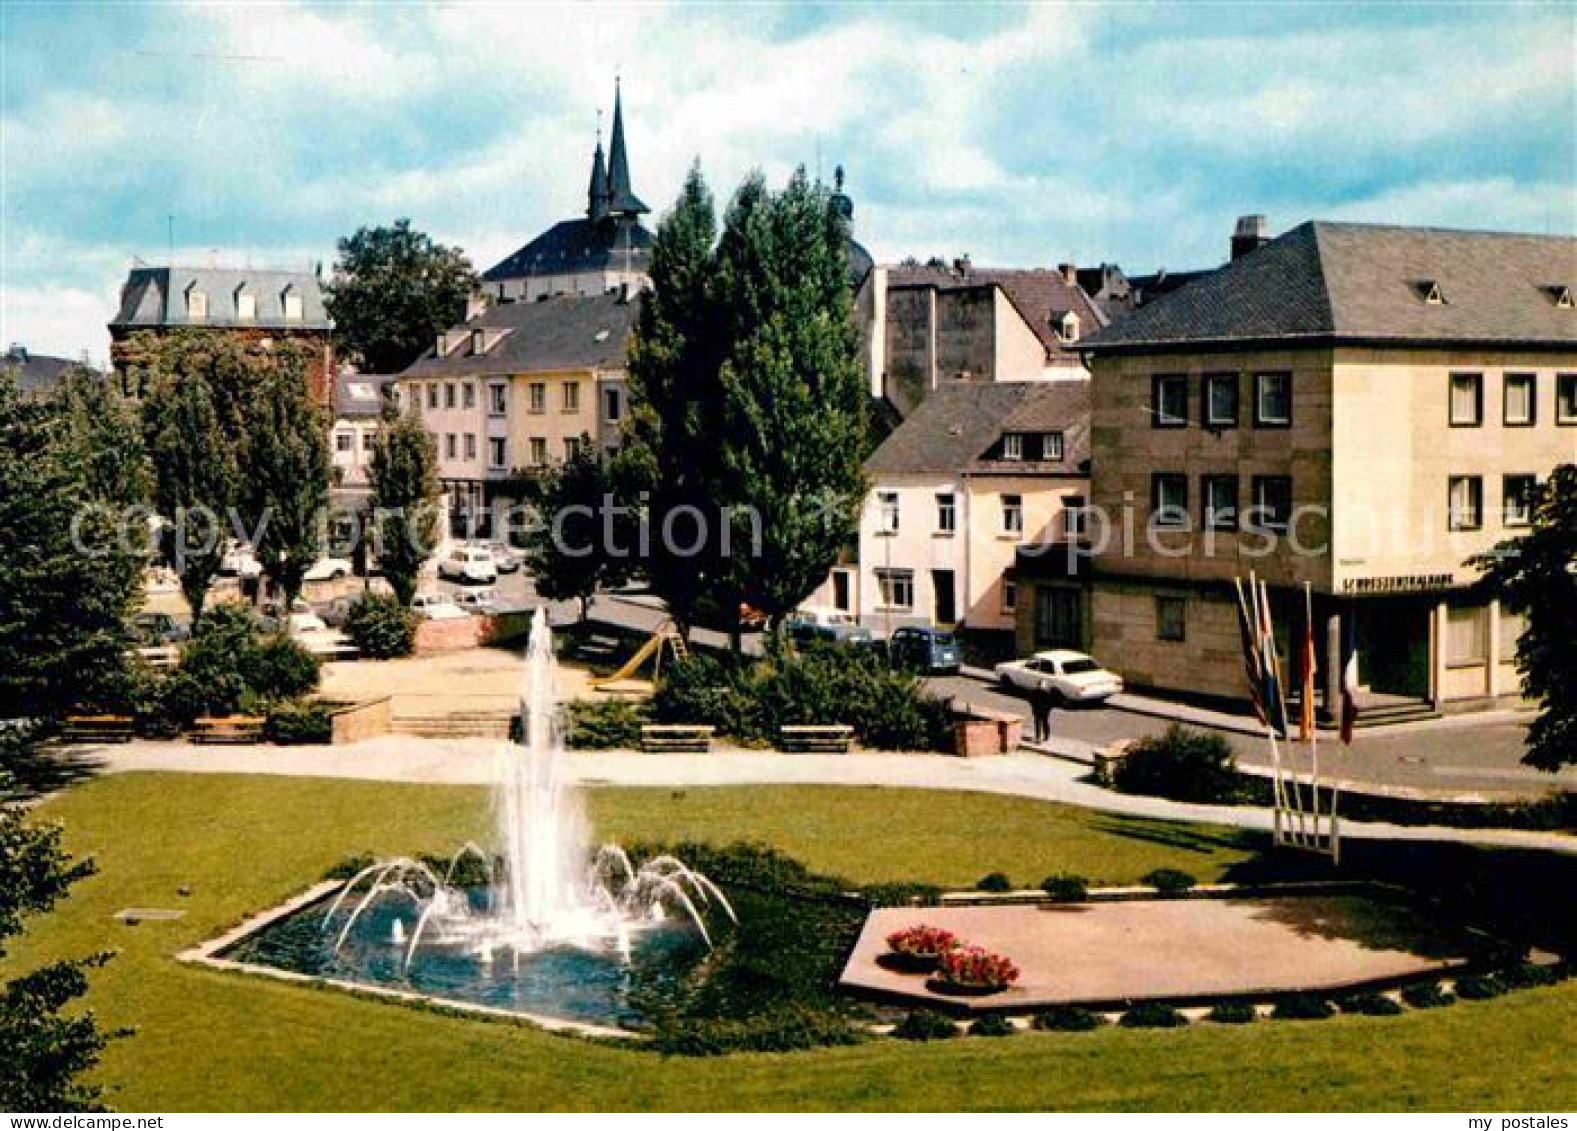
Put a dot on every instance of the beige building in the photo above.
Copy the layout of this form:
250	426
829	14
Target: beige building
520	386
975	473
358	408
1360	408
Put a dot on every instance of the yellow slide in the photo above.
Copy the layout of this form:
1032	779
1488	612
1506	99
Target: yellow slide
621	680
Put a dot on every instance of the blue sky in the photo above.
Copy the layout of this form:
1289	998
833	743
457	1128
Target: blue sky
1019	134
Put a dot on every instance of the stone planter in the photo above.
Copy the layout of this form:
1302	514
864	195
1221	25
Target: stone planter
960	989
976	738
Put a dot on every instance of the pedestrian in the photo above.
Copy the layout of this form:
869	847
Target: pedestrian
1041	702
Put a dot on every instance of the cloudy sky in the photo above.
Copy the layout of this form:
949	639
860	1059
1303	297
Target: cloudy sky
1020	134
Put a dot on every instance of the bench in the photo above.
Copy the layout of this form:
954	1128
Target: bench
98	728
597	648
833	738
676	739
227	728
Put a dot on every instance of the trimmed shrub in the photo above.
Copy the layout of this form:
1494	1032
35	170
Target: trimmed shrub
1067	1019
1170	881
925	1025
992	1025
282	669
784	1029
299	722
1066	889
1233	1013
604	724
1526	975
994	882
1427	995
1152	1015
1181	764
1478	988
217	660
350	866
1370	1005
381	627
1303	1007
902	893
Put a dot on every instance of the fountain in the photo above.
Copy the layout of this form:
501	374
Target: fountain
546	888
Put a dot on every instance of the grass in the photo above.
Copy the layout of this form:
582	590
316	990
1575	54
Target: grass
213	1041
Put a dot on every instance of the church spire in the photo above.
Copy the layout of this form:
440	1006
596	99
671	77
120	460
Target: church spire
597	192
623	200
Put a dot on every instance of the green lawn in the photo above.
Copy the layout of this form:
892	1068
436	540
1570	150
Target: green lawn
208	1040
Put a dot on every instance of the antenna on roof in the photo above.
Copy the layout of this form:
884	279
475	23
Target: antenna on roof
170	232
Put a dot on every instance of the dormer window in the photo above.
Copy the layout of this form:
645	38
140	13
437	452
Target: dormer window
245	305
1069	329
1430	292
478	342
1012	445
290	299
196	303
1561	296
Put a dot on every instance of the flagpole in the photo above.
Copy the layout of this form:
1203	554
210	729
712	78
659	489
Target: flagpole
1251	624
1273	668
1308	691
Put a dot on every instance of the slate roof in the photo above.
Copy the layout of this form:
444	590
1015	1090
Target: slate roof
1041	296
955	426
572	246
37	374
565	332
1337	282
156	296
360	396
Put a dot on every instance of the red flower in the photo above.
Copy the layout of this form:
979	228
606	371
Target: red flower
976	966
921	941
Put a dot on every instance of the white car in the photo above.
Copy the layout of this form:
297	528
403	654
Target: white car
437	606
1072	676
469	563
327	569
506	557
310	631
481	602
240	560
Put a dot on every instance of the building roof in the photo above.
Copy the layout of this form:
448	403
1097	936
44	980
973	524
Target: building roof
37	374
1041	296
156	296
360	396
957	426
564	332
573	246
1335	282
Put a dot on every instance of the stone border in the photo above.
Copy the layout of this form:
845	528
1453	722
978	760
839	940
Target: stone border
207	954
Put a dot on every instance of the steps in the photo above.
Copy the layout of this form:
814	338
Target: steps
1385	714
461	724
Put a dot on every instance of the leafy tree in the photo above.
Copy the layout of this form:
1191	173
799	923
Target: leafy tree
404	478
394	289
287	474
583	537
1536	575
104	431
196	481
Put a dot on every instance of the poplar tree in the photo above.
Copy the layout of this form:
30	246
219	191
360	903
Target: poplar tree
404	479
286	474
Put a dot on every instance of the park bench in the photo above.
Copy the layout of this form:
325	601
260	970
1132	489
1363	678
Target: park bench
227	728
98	728
831	738
676	739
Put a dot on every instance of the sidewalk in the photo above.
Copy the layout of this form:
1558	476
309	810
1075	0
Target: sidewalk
473	762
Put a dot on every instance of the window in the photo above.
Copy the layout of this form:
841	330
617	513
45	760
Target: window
570	401
1075	519
895	588
1221	400
1013	445
539	451
368	441
245	306
432	395
1169	400
946	513
478	342
344	441
1058	619
1272	502
470	445
497	399
1051	446
1013	515
292	304
1430	292
1521	399
468	395
1467	400
1221	502
450	445
449	394
1170	622
887	512
1169	500
1069	330
537	397
1566	398
1273	400
1467	636
1517	495
1009	596
497	452
196	303
1466	503
610	404
1512	626
571	447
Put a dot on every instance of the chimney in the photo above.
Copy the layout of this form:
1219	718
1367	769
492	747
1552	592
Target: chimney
1070	274
961	265
1249	235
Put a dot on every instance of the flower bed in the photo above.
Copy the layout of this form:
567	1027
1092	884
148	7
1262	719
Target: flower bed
973	970
917	949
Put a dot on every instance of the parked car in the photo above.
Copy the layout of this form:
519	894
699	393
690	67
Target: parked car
480	602
1071	676
506	557
473	564
924	649
160	579
814	622
327	569
156	629
309	630
437	606
240	560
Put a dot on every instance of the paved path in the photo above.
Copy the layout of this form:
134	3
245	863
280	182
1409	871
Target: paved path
471	762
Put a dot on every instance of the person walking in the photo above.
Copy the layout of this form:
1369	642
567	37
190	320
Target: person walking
1041	703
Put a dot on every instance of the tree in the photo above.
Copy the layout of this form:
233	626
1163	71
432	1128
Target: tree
404	478
196	480
104	431
287	474
1536	575
583	537
393	290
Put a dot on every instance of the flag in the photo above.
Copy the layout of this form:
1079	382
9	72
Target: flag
1306	721
1349	676
1275	705
1251	662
